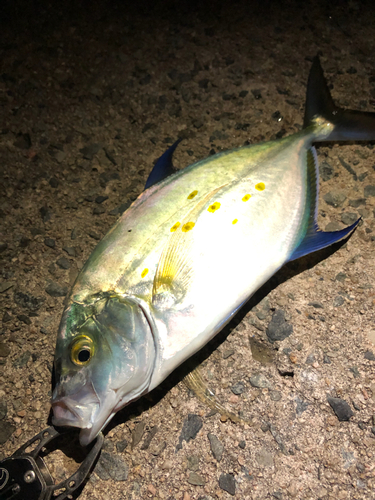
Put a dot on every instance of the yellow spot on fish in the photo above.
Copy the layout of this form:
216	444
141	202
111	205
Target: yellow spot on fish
260	186
175	227
192	194
215	206
144	272
234	221
246	197
187	227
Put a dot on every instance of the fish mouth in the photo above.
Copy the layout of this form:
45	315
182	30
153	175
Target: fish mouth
76	410
83	410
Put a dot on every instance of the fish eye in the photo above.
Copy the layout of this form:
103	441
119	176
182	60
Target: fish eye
82	350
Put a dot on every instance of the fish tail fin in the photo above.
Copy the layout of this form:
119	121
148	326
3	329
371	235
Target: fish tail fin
348	125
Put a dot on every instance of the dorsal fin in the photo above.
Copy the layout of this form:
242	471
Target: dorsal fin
313	239
163	167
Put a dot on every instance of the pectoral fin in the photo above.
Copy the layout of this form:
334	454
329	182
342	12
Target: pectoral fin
175	270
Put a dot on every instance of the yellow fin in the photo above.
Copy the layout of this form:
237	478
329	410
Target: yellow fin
195	382
175	272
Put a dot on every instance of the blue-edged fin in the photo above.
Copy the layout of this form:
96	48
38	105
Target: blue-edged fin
163	168
312	238
349	125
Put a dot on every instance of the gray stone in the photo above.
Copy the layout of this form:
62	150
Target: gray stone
190	428
63	263
3	410
341	409
334	198
6	430
278	328
228	353
4	350
369	355
25	319
317	305
71	251
5	285
238	388
341	277
93	235
121	445
88	152
100	199
196	479
98	210
137	434
50	242
263	309
333	226
326	171
301	406
364	213
112	466
310	359
260	381
228	483
149	437
120	209
217	446
369	191
264	458
348	167
55	290
338	301
28	301
357	203
192	462
348	218
22	360
326	360
275	396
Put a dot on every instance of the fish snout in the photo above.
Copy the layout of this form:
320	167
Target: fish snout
75	410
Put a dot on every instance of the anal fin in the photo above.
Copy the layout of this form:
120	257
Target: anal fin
195	382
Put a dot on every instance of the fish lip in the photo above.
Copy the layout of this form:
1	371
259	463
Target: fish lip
66	412
77	410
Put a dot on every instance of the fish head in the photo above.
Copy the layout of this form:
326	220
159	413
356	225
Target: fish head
104	359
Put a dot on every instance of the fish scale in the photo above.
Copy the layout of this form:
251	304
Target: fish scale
187	254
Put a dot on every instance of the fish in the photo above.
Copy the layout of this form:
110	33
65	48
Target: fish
185	256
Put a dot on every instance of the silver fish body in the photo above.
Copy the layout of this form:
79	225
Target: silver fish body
179	263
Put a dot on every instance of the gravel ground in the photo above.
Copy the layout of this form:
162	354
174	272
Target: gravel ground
90	96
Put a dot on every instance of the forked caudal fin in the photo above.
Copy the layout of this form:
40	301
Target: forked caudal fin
349	125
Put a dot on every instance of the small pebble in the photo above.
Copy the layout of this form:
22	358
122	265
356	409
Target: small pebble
217	446
50	242
238	388
278	328
341	409
196	479
55	290
63	263
369	355
228	483
260	381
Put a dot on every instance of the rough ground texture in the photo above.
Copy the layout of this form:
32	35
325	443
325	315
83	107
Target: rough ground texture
91	94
